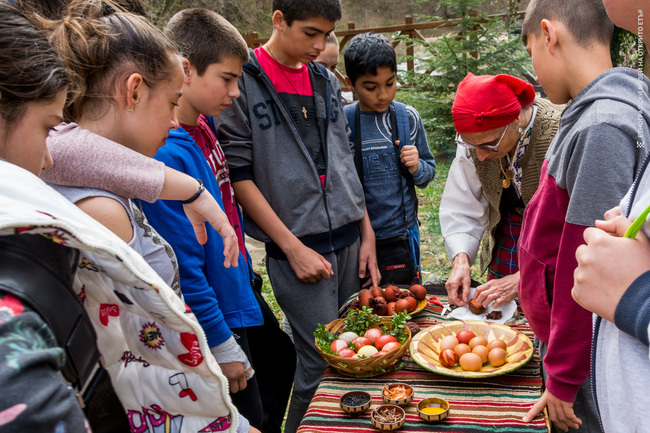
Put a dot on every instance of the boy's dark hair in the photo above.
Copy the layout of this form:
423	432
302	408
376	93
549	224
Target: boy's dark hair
367	52
302	10
204	37
587	20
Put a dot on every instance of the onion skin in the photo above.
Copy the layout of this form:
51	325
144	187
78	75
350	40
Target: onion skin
413	327
475	308
405	294
380	306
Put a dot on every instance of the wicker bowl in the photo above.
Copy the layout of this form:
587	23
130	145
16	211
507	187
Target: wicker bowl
358	409
438	403
385	426
397	401
364	367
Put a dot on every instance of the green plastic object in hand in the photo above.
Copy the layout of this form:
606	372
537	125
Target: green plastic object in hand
637	224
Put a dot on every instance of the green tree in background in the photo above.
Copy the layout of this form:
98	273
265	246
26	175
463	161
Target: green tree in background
479	44
246	15
625	49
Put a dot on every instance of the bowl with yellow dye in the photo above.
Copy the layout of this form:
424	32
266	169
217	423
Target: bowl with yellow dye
433	409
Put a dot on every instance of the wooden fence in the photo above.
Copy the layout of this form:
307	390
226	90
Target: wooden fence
410	28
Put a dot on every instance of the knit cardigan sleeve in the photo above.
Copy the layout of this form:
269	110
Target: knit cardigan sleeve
130	174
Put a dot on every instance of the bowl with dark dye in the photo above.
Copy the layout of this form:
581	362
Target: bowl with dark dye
355	402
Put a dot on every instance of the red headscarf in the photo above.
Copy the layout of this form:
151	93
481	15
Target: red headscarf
487	102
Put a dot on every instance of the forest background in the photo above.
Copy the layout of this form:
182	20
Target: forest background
479	42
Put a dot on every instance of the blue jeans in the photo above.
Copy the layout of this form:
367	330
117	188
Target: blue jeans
414	243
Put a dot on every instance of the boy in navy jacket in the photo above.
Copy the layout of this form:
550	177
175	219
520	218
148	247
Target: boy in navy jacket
389	170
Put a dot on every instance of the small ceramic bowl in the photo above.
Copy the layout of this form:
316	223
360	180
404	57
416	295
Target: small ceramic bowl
385	409
355	402
436	404
397	401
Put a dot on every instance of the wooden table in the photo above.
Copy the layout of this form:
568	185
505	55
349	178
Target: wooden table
494	404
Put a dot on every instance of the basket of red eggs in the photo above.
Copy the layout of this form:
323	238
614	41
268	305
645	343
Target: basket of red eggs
363	344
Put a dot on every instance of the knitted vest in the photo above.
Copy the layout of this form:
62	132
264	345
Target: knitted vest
545	127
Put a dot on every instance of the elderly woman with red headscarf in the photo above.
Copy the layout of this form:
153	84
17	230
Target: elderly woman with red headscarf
502	133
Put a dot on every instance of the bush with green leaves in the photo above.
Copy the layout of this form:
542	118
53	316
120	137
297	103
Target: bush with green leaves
479	44
626	49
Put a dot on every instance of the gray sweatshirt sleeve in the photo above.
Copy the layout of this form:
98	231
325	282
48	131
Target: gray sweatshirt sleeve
129	174
601	169
632	314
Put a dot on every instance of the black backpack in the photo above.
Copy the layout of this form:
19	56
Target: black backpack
38	272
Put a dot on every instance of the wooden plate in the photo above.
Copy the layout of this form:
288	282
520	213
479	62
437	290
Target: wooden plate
425	347
343	311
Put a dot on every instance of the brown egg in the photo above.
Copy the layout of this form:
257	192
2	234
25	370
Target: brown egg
390	308
497	343
497	357
448	342
364	297
462	349
477	341
413	303
481	351
471	362
391	293
401	305
418	291
377	291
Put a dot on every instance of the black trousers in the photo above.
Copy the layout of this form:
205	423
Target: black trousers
271	352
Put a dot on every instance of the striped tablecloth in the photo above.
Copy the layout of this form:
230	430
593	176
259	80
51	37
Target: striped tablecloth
494	404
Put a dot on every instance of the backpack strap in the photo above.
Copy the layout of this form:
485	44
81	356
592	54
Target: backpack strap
353	113
58	305
403	125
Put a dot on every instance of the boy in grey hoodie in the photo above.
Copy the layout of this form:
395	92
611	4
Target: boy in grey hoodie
292	169
589	166
613	281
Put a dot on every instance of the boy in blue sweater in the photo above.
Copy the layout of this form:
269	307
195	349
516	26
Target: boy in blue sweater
238	331
389	168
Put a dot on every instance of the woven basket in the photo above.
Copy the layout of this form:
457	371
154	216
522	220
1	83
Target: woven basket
364	367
